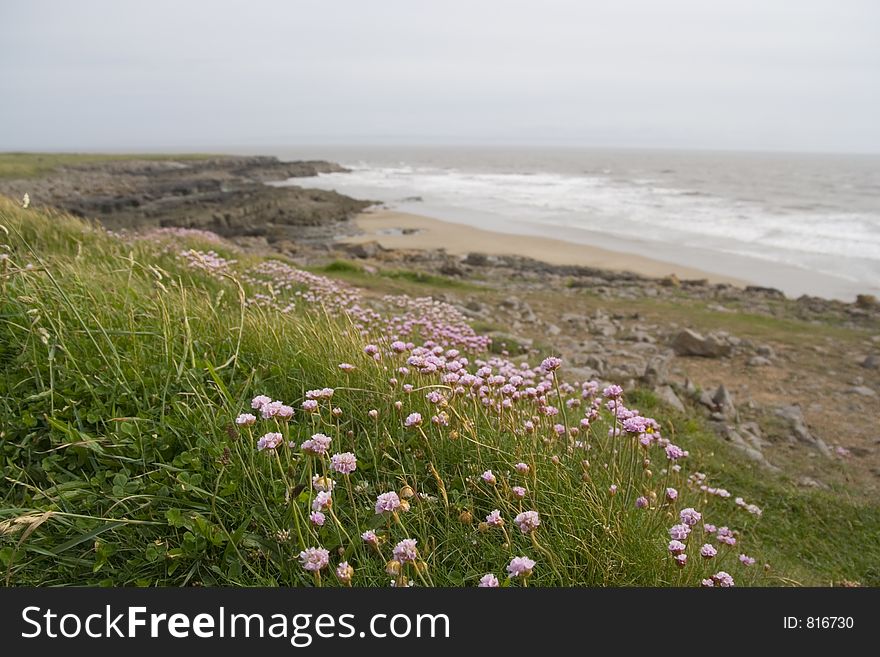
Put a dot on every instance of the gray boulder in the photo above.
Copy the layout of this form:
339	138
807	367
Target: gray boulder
793	416
691	343
667	395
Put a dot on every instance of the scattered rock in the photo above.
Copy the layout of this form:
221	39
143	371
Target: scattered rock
794	418
476	260
765	350
864	391
759	361
655	372
363	249
746	446
723	401
691	343
667	395
705	399
871	362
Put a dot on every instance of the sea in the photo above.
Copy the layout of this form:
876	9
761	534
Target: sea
803	223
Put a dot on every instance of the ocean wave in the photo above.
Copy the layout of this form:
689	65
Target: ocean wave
641	207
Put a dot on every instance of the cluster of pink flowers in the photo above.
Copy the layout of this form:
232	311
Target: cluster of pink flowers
406	551
208	261
494	519
721	578
387	502
527	521
489	581
344	463
270	441
520	567
318	444
446	369
314	559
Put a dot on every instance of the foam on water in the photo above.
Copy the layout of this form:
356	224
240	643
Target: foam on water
833	231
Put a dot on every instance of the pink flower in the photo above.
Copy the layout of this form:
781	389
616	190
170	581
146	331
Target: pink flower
270	441
413	420
346	367
373	413
690	516
551	364
671	494
676	547
344	572
271	409
488	477
322	393
369	537
318	444
709	529
723	579
520	567
641	502
310	405
518	492
314	559
527	521
317	518
284	412
708	551
387	502
708	582
488	581
681	560
679	532
612	489
747	560
245	420
612	392
406	550
494	519
323	500
259	401
344	463
522	468
674	452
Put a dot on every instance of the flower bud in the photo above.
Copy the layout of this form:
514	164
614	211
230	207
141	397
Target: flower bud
465	517
393	568
406	492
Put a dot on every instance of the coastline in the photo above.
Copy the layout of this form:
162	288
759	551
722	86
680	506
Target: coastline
402	230
398	229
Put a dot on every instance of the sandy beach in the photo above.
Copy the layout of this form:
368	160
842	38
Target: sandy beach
399	230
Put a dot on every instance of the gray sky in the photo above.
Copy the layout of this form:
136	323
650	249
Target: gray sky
738	74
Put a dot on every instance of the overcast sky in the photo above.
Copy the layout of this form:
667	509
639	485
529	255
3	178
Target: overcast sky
156	74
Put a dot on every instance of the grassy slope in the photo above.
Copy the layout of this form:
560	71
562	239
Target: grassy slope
121	370
31	165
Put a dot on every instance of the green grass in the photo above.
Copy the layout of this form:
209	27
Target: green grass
409	280
122	370
31	165
815	537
